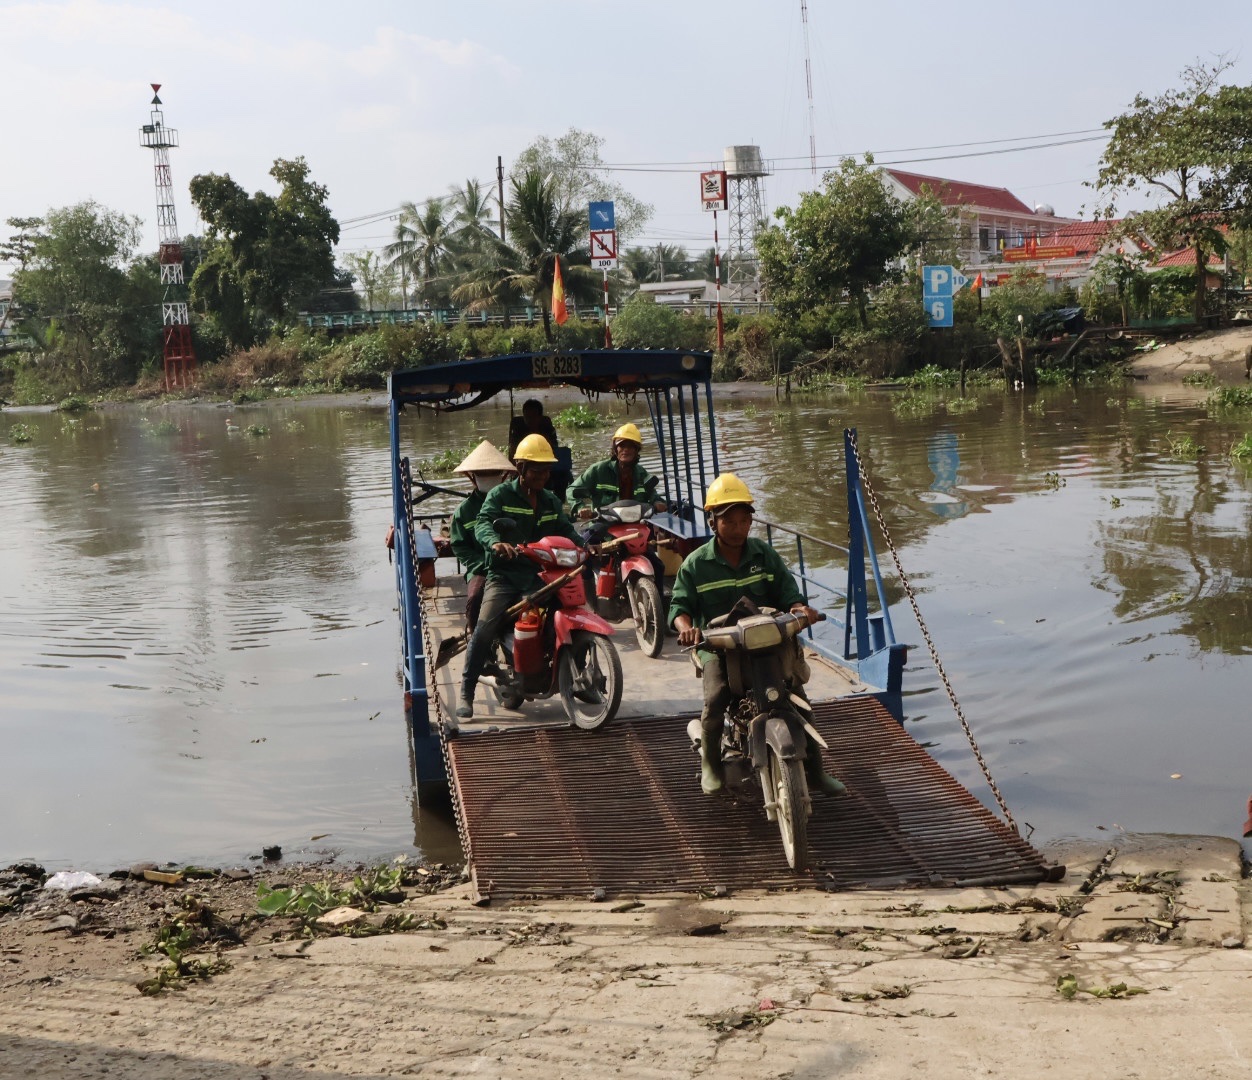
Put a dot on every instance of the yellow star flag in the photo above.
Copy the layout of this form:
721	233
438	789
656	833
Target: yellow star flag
559	311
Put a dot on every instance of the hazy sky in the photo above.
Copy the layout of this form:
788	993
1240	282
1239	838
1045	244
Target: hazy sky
392	101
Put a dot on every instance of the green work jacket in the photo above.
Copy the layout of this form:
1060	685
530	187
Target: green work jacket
598	485
465	545
707	586
548	518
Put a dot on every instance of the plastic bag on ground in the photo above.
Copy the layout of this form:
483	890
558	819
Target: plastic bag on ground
71	879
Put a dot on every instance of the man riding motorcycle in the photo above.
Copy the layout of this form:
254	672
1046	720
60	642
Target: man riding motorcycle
619	476
536	512
710	581
485	467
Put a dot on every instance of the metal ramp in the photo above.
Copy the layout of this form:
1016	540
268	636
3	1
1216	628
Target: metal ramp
560	812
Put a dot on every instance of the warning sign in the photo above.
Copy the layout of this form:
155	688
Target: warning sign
604	249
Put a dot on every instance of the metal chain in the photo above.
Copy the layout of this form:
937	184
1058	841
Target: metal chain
934	653
441	720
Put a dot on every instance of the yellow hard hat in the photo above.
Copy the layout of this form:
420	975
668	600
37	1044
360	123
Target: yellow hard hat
535	449
727	491
627	433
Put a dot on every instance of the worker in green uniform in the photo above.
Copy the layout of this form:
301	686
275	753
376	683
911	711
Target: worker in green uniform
536	513
708	584
485	467
619	476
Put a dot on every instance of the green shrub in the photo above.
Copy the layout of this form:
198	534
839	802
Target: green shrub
75	403
1242	450
1200	378
579	418
1230	398
20	433
642	323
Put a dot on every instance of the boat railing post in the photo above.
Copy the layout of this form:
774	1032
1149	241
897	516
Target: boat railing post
857	598
673	445
682	415
654	412
708	400
699	436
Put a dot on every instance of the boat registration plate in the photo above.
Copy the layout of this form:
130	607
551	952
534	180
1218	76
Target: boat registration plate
556	367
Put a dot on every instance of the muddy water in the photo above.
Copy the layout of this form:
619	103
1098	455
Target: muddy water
198	650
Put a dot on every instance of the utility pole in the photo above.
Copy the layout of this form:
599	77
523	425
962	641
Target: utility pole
500	191
660	266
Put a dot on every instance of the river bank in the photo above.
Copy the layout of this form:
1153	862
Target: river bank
1132	966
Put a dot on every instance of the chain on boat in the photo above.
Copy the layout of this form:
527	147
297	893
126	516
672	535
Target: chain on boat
930	645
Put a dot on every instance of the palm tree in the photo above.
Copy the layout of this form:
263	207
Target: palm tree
473	216
539	233
423	249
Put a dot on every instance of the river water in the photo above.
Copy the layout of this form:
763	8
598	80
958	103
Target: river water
199	651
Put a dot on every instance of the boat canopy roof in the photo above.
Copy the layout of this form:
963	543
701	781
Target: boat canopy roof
466	383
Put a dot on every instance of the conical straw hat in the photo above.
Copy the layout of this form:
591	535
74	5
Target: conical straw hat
485	458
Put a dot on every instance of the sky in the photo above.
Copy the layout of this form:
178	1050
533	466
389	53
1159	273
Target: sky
392	101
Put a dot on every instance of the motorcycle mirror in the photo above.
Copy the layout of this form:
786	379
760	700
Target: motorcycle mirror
651	486
504	527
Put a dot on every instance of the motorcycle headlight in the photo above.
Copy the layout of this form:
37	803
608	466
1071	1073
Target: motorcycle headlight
629	514
568	556
762	635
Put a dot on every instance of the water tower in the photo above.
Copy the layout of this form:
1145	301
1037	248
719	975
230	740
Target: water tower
746	205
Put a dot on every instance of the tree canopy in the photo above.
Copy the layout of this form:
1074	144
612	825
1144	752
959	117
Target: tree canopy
848	237
1192	147
574	163
85	297
268	254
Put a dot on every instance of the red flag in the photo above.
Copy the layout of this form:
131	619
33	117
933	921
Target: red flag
977	281
559	311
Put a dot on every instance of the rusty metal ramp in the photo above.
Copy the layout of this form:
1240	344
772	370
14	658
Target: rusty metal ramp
562	812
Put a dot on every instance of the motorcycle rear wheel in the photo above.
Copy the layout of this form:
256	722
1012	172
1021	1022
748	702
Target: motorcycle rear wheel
649	617
589	678
786	787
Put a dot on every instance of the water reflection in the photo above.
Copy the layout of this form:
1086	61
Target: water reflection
198	652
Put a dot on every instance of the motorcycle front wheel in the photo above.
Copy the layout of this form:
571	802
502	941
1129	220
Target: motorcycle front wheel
649	618
785	786
589	678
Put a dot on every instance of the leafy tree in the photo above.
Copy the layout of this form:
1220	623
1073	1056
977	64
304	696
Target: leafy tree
540	231
577	170
642	323
267	255
20	245
847	238
377	280
83	294
1192	145
1125	272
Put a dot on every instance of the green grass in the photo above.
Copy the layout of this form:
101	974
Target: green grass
75	403
1200	378
1242	450
961	405
445	461
20	433
912	405
1230	398
1184	446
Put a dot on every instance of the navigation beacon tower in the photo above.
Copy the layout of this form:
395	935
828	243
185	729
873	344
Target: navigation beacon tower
178	353
745	200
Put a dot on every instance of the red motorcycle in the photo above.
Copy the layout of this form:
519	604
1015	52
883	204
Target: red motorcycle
628	572
557	645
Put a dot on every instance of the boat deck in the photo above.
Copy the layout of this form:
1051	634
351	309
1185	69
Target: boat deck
549	810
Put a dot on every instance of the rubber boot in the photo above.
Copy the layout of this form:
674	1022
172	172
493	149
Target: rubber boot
465	710
817	776
712	778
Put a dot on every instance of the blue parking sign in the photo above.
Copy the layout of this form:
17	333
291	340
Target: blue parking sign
938	280
601	214
939	310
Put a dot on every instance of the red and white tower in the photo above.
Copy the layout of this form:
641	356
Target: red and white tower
179	354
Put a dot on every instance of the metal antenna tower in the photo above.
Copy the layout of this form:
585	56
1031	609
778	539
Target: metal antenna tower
746	204
808	86
177	350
